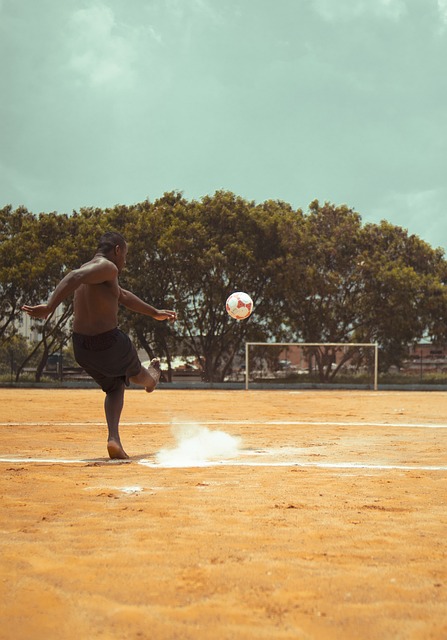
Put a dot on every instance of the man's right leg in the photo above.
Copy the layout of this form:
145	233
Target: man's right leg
148	377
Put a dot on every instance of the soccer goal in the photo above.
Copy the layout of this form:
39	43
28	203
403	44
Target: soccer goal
326	364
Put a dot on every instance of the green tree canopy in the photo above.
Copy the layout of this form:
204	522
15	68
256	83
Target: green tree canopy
314	276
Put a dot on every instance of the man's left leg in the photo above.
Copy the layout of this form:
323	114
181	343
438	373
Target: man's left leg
113	405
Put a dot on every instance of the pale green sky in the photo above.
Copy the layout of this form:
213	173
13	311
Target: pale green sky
115	101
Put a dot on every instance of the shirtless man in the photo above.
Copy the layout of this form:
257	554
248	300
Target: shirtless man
103	350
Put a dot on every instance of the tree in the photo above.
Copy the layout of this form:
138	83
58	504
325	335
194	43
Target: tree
47	251
149	271
35	253
405	299
12	351
320	287
359	284
15	266
320	276
214	247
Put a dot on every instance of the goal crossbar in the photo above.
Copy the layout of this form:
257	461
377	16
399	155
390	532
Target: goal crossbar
374	345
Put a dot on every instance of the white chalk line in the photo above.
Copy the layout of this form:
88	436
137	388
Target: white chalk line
232	463
318	465
60	461
403	425
292	457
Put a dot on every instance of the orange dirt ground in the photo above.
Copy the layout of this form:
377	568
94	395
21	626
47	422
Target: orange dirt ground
329	523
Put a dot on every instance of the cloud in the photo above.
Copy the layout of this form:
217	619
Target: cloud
102	51
442	8
188	10
421	212
22	184
351	9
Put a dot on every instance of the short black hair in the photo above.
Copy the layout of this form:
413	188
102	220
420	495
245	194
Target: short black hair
108	241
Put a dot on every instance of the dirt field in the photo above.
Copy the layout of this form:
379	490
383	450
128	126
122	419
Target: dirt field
323	517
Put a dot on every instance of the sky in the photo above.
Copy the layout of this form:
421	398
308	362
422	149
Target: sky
108	102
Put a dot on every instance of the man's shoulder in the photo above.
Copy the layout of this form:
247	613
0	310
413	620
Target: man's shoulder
101	262
99	266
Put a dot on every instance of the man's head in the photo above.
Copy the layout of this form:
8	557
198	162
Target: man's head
113	246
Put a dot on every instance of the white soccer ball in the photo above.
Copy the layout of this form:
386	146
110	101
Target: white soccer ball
239	305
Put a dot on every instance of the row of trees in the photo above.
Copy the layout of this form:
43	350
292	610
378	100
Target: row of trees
315	276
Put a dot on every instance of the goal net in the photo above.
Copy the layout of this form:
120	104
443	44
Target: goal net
288	364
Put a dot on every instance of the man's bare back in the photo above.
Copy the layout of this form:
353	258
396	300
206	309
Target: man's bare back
96	305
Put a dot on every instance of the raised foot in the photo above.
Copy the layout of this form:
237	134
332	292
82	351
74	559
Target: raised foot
154	372
116	451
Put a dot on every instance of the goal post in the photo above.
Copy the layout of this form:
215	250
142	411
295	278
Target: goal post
300	362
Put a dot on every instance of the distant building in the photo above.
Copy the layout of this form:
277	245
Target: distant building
428	350
29	327
426	357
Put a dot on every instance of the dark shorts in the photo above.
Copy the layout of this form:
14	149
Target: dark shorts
109	358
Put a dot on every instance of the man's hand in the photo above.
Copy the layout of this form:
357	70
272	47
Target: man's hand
165	314
40	311
134	303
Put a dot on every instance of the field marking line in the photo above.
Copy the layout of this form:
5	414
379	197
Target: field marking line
233	463
97	461
41	460
319	465
403	425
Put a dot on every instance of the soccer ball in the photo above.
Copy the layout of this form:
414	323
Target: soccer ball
239	305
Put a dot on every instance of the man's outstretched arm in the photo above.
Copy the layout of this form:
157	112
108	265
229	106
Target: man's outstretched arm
90	273
134	303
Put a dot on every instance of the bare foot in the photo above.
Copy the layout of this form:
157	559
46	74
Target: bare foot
155	373
116	451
